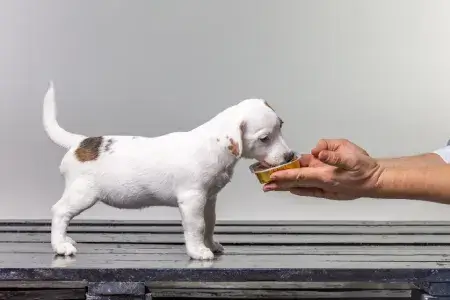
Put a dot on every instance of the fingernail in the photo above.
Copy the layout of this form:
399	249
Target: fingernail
267	188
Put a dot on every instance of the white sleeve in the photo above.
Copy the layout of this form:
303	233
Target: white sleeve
444	153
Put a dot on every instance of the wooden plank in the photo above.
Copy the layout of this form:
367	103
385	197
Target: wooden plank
43	294
176	261
243	239
279	253
223	270
309	229
42	284
270	294
6	258
85	249
153	285
89	222
116	288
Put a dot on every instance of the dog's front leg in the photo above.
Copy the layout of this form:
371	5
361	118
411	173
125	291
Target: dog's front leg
210	222
192	207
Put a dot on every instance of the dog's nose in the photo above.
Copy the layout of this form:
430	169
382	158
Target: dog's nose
289	156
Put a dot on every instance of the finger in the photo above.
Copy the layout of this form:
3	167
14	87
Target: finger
282	186
322	144
298	174
336	159
307	192
316	163
277	188
308	160
327	144
305	160
319	193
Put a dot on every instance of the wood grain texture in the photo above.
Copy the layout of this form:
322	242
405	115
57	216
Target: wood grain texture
270	294
235	229
291	260
43	294
263	285
237	239
87	222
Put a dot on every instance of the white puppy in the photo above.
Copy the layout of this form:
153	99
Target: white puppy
182	169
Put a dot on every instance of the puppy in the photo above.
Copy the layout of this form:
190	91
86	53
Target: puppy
181	169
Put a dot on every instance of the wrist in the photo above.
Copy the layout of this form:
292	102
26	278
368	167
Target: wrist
384	182
378	181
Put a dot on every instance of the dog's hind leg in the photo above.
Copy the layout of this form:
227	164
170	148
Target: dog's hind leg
78	196
192	207
210	222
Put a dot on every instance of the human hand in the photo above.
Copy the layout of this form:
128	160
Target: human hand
335	169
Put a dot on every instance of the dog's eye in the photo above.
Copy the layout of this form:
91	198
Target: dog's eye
264	139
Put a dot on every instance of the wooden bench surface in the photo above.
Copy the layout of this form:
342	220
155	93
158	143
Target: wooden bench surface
374	256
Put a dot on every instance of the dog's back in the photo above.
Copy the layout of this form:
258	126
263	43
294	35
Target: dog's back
130	172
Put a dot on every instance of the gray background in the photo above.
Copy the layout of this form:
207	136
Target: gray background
376	72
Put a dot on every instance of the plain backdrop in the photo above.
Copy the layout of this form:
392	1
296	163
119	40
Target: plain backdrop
376	72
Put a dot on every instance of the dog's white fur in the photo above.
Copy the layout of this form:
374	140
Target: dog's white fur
181	169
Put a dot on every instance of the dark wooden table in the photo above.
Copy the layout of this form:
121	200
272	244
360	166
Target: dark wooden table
269	260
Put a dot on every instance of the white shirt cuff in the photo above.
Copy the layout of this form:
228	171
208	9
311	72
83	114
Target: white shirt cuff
444	153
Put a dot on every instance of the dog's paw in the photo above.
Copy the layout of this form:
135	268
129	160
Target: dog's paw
65	248
201	254
70	241
215	247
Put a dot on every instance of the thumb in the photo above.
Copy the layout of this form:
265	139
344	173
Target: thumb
336	159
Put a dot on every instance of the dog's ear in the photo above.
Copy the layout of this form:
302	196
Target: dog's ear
268	105
235	140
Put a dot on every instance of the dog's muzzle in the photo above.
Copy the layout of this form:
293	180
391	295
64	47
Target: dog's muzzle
289	156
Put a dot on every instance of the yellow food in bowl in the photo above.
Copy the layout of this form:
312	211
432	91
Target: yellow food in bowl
263	174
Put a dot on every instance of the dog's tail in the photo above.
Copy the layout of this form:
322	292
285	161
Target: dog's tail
57	134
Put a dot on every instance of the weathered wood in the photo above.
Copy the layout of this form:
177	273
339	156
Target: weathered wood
30	259
235	264
116	297
243	239
304	229
182	261
257	285
43	294
280	294
436	288
429	297
116	288
376	249
272	259
88	222
43	284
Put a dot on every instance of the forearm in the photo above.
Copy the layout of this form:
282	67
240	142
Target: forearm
431	183
422	160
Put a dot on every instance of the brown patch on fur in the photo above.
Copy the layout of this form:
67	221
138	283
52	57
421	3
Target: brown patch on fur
108	145
233	147
89	149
